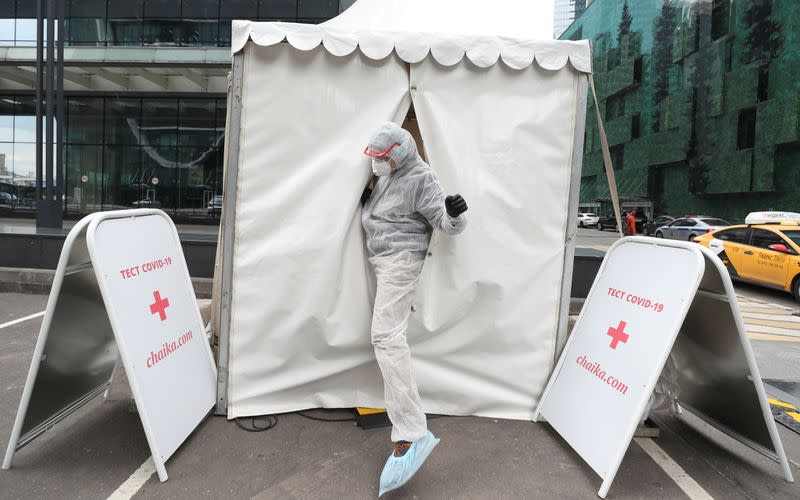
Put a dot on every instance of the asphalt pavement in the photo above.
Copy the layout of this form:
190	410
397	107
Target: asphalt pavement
100	451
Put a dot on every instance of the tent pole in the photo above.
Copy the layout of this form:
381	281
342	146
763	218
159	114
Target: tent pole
571	230
227	221
612	182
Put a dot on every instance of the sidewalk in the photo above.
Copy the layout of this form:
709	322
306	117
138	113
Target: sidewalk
28	226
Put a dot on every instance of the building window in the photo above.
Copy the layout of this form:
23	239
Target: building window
746	132
636	126
275	10
763	83
238	9
617	156
728	57
613	58
156	22
637	70
615	107
121	153
720	18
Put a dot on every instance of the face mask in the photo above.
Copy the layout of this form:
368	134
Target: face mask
381	167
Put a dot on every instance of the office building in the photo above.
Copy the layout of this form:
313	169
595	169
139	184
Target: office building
701	102
145	100
565	12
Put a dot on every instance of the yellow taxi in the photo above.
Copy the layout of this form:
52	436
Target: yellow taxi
764	250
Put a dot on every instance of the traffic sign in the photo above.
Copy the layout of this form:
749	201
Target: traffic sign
647	291
84	178
154	181
133	297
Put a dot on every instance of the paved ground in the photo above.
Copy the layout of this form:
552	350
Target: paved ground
94	451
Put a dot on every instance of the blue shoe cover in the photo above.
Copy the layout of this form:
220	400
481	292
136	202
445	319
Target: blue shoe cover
398	470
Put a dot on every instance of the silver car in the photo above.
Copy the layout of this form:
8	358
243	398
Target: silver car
688	228
215	206
587	219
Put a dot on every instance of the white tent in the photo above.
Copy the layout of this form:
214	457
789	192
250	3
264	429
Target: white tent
501	116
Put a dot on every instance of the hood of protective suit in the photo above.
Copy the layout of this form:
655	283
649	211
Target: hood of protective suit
404	207
389	134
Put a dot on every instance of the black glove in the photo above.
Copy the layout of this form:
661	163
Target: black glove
455	205
365	195
368	190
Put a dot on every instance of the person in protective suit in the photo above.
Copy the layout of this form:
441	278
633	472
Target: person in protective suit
403	205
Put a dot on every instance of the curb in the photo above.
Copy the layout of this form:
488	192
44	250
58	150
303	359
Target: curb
39	281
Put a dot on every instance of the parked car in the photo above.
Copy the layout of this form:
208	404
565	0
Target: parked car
7	202
688	228
765	250
146	203
215	205
610	222
656	222
587	219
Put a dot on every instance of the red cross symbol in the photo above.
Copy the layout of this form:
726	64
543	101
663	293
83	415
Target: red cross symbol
618	334
159	306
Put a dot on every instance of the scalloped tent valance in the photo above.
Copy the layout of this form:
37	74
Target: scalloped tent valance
448	30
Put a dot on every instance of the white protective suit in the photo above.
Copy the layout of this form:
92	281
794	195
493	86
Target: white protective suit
398	218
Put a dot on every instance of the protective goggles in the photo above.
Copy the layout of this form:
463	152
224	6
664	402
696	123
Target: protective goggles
379	155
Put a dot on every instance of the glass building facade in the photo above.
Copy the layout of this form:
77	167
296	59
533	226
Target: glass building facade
701	102
131	149
175	23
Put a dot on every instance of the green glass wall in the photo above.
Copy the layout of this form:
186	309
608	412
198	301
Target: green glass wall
701	101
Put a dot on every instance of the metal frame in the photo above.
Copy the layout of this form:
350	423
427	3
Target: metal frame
780	454
86	228
718	267
227	229
62	270
571	230
649	385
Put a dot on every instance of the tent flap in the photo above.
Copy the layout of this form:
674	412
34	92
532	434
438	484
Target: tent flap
448	49
487	307
301	301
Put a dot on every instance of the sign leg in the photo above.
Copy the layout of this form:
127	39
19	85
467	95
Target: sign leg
111	379
25	401
605	487
162	471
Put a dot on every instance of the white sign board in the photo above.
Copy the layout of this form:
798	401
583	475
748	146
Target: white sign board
157	323
145	285
619	346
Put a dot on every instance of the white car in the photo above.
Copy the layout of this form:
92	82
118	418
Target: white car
587	219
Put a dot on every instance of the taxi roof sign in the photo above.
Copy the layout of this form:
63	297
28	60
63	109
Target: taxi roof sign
771	217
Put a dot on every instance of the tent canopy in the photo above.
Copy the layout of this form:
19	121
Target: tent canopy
485	32
490	308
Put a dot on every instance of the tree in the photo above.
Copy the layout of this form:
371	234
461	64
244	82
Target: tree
663	32
624	22
764	39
